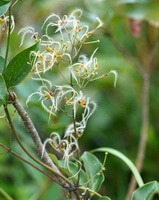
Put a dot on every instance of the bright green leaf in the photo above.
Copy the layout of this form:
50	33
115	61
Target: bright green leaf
1	64
4	5
18	68
73	171
93	169
5	194
104	198
53	158
146	192
3	91
126	161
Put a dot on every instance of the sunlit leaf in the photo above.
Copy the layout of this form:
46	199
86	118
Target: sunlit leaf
104	198
147	191
53	158
3	91
126	161
19	67
4	5
93	168
74	168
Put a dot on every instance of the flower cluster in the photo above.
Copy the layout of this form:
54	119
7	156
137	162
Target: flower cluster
72	36
66	146
65	45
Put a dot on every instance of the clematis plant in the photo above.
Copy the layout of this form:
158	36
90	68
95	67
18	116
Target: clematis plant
80	174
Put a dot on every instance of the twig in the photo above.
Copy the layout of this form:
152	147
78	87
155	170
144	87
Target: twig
34	134
91	191
143	134
29	163
145	107
6	195
124	52
62	180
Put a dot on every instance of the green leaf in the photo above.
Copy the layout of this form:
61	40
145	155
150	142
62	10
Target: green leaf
104	198
18	68
1	64
3	91
126	161
146	192
53	158
93	169
73	171
4	5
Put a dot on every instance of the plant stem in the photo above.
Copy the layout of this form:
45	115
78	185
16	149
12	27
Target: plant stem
8	39
6	195
92	191
144	72
122	157
24	160
143	134
64	183
59	178
34	134
124	52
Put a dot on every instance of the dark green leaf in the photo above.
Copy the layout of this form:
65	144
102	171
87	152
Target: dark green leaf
18	68
146	192
104	198
1	64
4	5
93	169
3	91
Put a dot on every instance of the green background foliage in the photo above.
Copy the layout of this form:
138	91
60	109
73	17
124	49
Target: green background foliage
117	121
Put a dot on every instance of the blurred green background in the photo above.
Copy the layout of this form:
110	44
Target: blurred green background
117	121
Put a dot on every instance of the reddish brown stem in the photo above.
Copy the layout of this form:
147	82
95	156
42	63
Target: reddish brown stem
143	134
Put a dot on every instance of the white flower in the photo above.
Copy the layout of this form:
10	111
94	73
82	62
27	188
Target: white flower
66	146
27	30
88	106
84	69
43	61
66	22
51	98
46	96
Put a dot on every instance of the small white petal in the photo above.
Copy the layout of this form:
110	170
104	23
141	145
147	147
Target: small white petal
116	76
